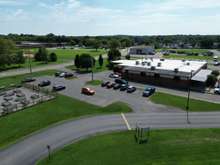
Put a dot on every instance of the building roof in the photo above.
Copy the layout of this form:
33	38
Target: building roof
202	75
166	65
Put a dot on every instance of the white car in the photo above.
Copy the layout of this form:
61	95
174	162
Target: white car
113	75
217	91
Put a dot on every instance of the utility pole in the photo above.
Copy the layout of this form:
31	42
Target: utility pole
188	98
48	149
92	68
29	60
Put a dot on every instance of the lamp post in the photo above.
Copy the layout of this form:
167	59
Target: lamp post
188	98
29	61
92	68
48	149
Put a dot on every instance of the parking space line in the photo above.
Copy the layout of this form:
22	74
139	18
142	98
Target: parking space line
126	121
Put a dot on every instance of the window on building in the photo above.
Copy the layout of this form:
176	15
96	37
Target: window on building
156	75
143	74
177	78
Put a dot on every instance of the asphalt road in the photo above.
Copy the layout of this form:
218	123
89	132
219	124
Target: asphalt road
32	148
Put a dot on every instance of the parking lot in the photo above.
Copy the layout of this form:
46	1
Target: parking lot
18	99
104	96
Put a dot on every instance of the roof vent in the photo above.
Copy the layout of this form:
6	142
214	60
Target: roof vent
159	64
148	64
183	60
162	59
153	68
143	63
137	63
176	70
188	63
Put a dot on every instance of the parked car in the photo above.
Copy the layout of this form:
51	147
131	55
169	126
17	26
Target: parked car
44	83
104	84
131	89
68	75
58	87
117	86
57	74
28	79
148	91
110	85
124	87
60	74
121	81
216	63
114	75
217	91
88	91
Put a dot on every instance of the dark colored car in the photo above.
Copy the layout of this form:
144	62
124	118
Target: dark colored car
88	91
124	87
131	89
148	91
44	83
58	87
57	74
68	75
110	85
104	84
28	79
117	86
121	81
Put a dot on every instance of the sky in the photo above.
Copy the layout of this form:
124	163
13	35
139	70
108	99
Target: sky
110	17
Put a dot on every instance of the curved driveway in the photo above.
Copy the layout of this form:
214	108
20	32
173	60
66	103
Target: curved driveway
32	148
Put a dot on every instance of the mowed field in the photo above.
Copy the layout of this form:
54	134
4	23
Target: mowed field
63	56
165	147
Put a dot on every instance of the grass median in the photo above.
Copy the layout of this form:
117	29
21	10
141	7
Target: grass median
20	124
180	102
165	147
7	81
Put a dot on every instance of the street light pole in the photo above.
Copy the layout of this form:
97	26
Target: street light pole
92	68
188	98
48	149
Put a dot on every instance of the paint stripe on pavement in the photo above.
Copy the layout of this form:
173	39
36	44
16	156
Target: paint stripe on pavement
126	121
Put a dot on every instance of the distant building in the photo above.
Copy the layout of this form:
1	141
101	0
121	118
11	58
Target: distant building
141	50
164	72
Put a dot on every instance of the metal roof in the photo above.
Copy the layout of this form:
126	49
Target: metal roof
202	75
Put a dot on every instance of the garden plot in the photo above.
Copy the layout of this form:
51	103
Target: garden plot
19	98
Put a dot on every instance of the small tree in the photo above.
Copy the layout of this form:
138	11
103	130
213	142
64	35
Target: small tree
19	58
53	57
77	62
215	73
128	57
41	55
211	81
86	61
114	54
101	60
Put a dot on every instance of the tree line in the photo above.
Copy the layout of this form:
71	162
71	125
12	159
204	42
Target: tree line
199	41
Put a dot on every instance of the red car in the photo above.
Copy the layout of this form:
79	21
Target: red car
88	91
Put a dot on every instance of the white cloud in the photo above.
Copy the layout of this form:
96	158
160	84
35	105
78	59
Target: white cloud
74	17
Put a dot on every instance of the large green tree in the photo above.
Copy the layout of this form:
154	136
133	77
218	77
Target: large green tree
101	60
7	52
42	55
114	54
86	61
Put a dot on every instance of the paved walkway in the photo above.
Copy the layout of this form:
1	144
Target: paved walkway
32	148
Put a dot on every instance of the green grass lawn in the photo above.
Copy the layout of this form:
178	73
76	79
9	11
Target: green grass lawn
165	147
182	57
187	50
96	68
20	124
180	102
6	81
94	82
63	55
